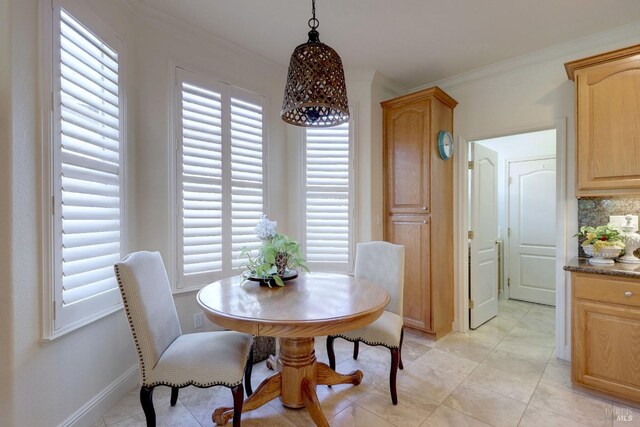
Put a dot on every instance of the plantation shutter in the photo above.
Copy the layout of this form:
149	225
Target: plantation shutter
246	175
328	195
201	173
220	178
88	205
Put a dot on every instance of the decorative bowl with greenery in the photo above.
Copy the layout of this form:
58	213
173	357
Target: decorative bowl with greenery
600	237
278	255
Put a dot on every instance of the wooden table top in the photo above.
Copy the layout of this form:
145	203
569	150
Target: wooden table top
313	304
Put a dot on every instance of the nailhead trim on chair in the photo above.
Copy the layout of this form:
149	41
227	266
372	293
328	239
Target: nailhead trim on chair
207	385
133	330
366	342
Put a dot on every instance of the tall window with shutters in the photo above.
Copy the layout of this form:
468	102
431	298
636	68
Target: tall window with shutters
87	179
328	198
220	177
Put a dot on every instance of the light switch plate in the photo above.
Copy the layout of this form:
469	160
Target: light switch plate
619	221
198	320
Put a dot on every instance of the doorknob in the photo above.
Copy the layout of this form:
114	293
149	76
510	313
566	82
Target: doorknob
628	294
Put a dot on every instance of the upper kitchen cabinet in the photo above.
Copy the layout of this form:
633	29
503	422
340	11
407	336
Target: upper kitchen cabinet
607	123
410	134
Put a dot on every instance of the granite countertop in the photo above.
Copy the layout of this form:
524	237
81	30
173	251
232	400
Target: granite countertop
582	265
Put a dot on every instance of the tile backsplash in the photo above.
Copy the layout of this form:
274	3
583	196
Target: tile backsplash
596	211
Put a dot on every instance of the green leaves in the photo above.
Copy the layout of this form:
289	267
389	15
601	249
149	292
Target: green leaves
263	265
269	254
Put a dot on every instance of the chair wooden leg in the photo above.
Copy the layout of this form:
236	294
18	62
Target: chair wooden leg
146	399
401	339
356	348
330	353
247	373
238	399
395	357
174	395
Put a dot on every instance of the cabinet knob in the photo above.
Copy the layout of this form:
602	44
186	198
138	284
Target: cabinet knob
424	222
424	208
628	294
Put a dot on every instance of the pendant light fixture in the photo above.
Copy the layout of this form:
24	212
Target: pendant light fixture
315	94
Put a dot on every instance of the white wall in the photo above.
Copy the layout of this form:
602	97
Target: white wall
6	242
530	93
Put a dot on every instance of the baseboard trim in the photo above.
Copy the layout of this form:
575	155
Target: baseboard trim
93	409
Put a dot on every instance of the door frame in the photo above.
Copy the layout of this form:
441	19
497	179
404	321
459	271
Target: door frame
507	204
461	217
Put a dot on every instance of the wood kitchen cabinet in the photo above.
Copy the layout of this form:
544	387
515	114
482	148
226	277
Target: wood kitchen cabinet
414	233
419	204
607	102
605	351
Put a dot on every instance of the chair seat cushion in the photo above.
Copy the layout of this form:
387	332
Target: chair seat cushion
203	359
384	331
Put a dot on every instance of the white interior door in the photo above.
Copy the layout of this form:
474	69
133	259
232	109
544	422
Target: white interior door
532	228
484	224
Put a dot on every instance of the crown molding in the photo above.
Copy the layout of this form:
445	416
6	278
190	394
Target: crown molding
181	28
388	84
586	46
375	77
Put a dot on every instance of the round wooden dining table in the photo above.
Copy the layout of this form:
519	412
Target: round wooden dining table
313	304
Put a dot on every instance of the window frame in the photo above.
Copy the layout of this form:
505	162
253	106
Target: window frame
227	91
353	200
58	320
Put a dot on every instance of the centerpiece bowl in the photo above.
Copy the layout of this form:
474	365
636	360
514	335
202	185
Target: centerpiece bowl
603	256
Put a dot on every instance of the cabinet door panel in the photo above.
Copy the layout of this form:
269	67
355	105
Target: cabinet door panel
408	156
414	233
608	127
606	347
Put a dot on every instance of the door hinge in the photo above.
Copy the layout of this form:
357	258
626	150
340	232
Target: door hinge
510	180
53	205
509	282
509	232
471	164
54	309
472	304
470	235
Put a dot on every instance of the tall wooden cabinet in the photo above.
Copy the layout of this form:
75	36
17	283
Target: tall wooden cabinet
607	91
418	198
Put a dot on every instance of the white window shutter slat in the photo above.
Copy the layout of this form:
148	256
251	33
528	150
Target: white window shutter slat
221	174
201	173
88	181
328	189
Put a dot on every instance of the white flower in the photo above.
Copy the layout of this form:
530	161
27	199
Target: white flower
266	229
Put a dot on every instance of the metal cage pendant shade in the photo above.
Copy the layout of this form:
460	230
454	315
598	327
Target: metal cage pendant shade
315	94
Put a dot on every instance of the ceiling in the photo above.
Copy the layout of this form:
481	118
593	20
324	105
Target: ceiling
411	41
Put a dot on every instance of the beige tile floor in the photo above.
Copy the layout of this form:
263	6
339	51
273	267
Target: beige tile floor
502	374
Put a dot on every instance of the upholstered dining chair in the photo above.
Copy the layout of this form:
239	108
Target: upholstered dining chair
166	356
381	263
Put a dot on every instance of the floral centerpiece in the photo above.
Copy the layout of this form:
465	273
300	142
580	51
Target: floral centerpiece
278	255
603	236
602	243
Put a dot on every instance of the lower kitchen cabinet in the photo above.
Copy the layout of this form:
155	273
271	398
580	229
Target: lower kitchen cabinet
605	352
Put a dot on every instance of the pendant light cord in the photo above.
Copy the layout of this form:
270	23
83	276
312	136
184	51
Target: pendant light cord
313	22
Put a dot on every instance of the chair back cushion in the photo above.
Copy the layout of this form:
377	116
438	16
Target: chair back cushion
383	263
149	306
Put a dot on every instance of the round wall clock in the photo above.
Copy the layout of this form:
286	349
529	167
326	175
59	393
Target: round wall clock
445	144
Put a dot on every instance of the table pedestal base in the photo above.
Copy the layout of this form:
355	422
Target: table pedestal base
296	382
